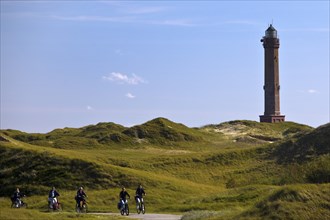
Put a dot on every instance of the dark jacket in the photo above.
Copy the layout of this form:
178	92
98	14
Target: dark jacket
17	195
123	195
81	194
53	194
140	192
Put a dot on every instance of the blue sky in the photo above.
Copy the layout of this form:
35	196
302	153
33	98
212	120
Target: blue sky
75	63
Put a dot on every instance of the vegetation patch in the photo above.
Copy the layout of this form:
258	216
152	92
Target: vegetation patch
163	131
304	147
293	202
235	170
37	172
247	131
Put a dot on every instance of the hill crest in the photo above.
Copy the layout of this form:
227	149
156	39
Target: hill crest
159	131
252	131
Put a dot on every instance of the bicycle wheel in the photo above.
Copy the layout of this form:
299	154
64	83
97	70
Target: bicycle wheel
127	209
84	208
59	207
138	208
16	204
143	208
77	208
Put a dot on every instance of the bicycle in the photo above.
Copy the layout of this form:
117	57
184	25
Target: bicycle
83	208
140	206
54	206
18	203
124	208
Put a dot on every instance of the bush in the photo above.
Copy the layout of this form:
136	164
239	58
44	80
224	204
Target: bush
319	171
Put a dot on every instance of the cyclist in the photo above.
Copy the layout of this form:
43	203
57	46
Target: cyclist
122	197
16	197
139	193
52	197
80	197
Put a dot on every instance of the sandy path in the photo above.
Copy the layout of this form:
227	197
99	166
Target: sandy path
156	216
148	216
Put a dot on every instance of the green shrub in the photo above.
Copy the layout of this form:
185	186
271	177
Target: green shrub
318	171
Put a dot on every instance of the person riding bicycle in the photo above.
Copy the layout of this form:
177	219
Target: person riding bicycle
80	197
16	197
139	193
52	197
122	196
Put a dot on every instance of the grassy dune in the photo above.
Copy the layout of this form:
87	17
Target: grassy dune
234	170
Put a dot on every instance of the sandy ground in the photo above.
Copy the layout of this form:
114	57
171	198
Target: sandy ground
146	216
156	216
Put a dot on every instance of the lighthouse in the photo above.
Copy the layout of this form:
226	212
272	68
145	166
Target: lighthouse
271	44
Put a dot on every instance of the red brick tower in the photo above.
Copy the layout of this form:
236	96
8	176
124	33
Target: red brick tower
272	87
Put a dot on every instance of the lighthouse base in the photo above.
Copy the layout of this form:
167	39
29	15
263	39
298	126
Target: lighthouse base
272	118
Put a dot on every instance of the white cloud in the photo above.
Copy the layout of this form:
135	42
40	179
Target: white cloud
124	79
312	91
89	108
129	8
95	18
130	96
143	10
126	19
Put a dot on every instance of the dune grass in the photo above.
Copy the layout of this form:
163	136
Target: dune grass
202	172
300	201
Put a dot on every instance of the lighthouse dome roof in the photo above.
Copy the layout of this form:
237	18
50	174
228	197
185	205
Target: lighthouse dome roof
271	28
271	32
